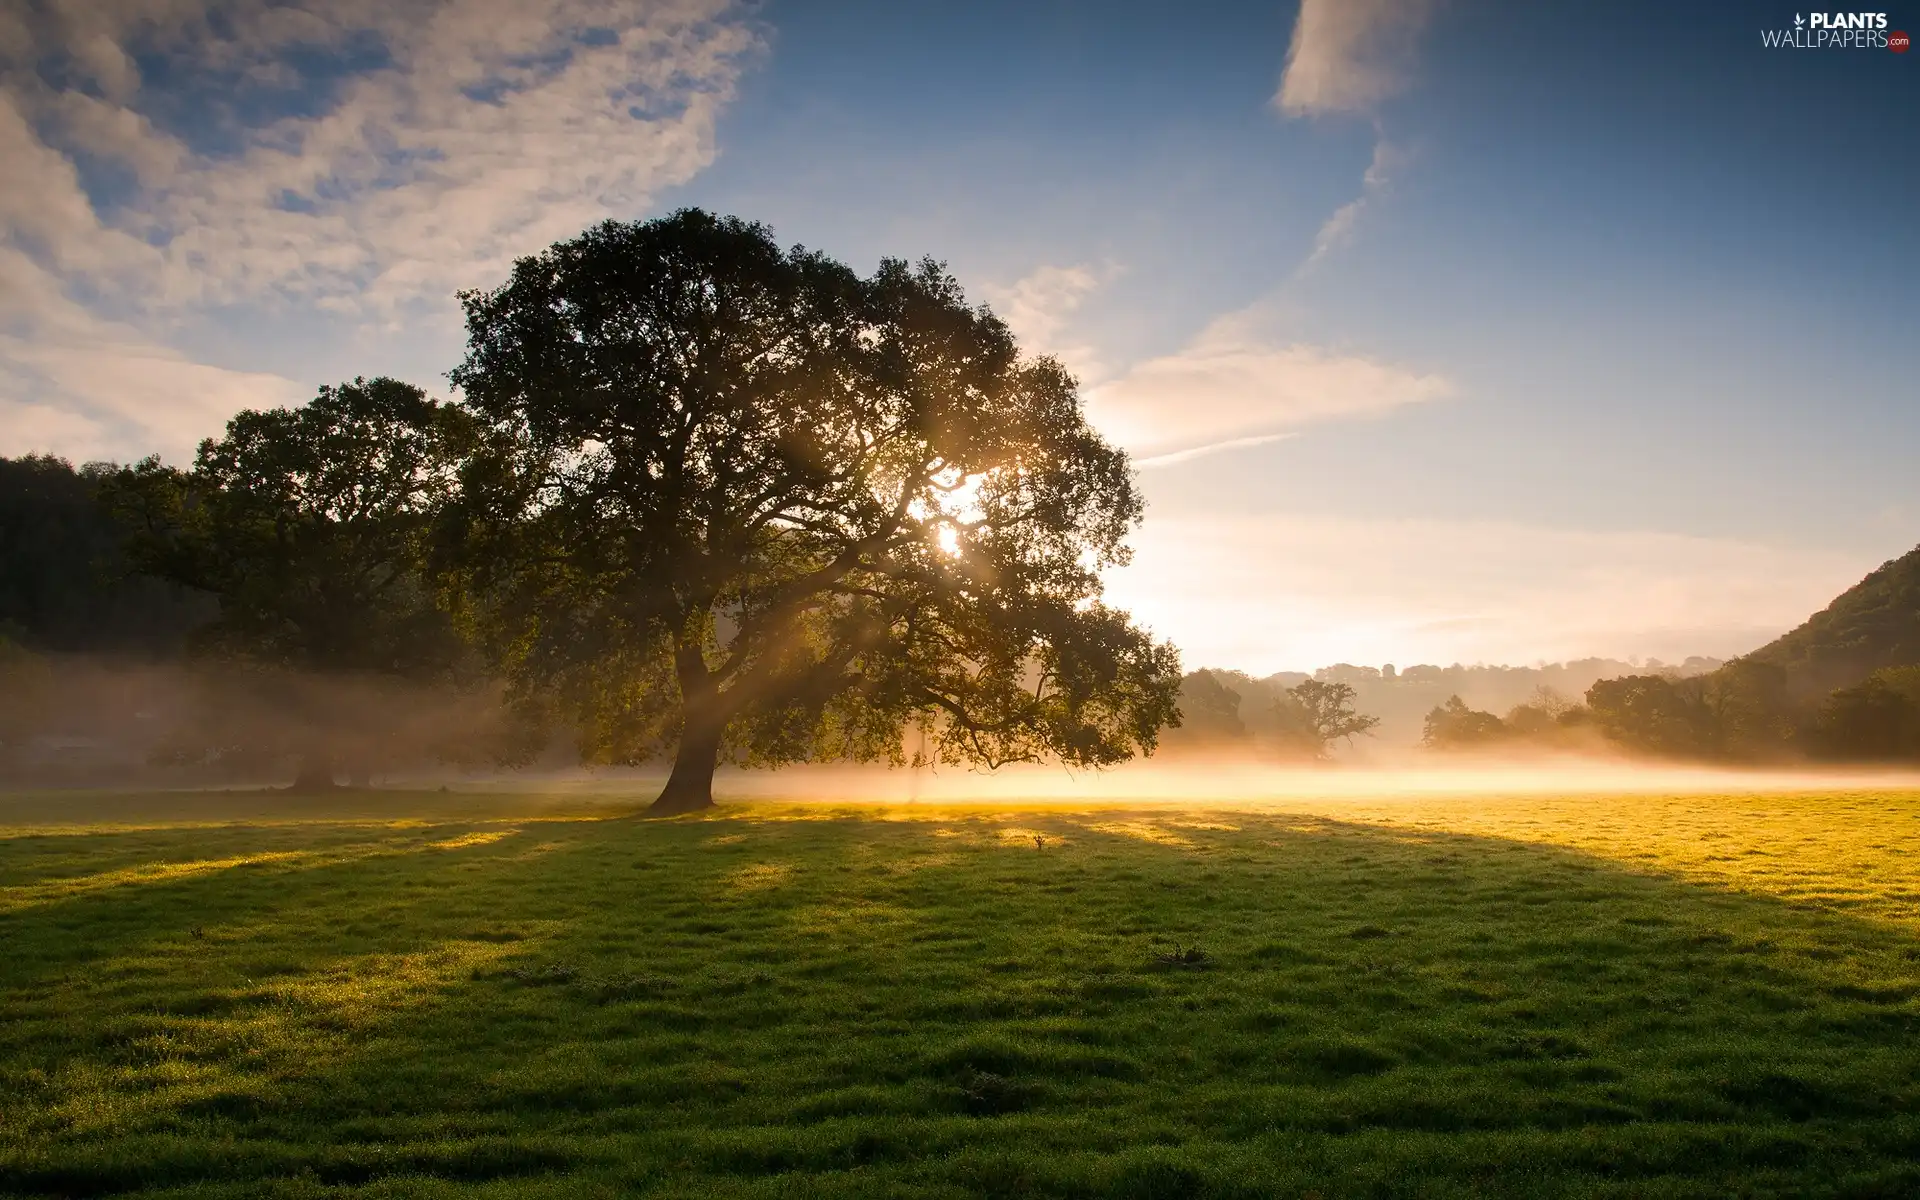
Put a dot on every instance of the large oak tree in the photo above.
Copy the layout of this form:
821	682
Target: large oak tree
741	502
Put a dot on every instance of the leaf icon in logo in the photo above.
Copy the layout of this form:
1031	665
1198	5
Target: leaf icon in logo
1798	21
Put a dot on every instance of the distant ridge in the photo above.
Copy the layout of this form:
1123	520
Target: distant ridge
1873	624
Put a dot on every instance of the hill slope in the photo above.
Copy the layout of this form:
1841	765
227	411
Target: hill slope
1873	624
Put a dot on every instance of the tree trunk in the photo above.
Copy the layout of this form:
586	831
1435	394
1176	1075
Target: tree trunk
690	786
702	721
315	774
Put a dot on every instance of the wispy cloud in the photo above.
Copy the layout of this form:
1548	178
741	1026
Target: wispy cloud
1235	386
1180	456
1040	306
81	385
1338	229
1292	591
364	158
1349	55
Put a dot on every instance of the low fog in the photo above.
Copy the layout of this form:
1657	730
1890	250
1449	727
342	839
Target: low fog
86	722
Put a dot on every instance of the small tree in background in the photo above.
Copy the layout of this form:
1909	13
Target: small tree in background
1454	726
1546	714
1313	715
1209	709
310	526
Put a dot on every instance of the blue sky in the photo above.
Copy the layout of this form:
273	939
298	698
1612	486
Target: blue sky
1442	331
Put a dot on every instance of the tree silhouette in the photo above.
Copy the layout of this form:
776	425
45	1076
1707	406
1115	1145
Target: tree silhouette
310	527
740	502
1313	714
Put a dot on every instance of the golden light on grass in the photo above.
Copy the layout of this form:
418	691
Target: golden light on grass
1245	782
1842	848
756	877
483	838
1022	834
49	891
1156	832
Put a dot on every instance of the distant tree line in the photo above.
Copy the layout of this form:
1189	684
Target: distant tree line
66	581
1843	687
1743	713
1301	720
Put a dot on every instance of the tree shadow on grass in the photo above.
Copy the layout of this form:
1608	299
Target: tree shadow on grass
855	1006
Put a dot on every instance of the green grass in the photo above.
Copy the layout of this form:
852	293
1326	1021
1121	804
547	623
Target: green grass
425	995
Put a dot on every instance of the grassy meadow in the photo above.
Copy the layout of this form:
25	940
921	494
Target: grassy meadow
428	994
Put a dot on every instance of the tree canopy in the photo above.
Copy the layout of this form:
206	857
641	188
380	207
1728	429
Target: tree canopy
311	527
1453	725
1877	719
739	501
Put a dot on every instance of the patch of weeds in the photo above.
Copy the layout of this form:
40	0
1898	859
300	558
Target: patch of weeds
1386	970
544	974
496	935
1540	1045
1189	958
987	1094
604	989
616	988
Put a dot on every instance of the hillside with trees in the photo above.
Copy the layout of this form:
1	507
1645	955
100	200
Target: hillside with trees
1843	687
1872	626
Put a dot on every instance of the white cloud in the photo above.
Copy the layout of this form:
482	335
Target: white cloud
127	399
79	385
43	429
1296	592
1349	55
1234	387
481	131
493	129
1039	308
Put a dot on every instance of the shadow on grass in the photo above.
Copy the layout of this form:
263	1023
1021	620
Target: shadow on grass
848	1005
